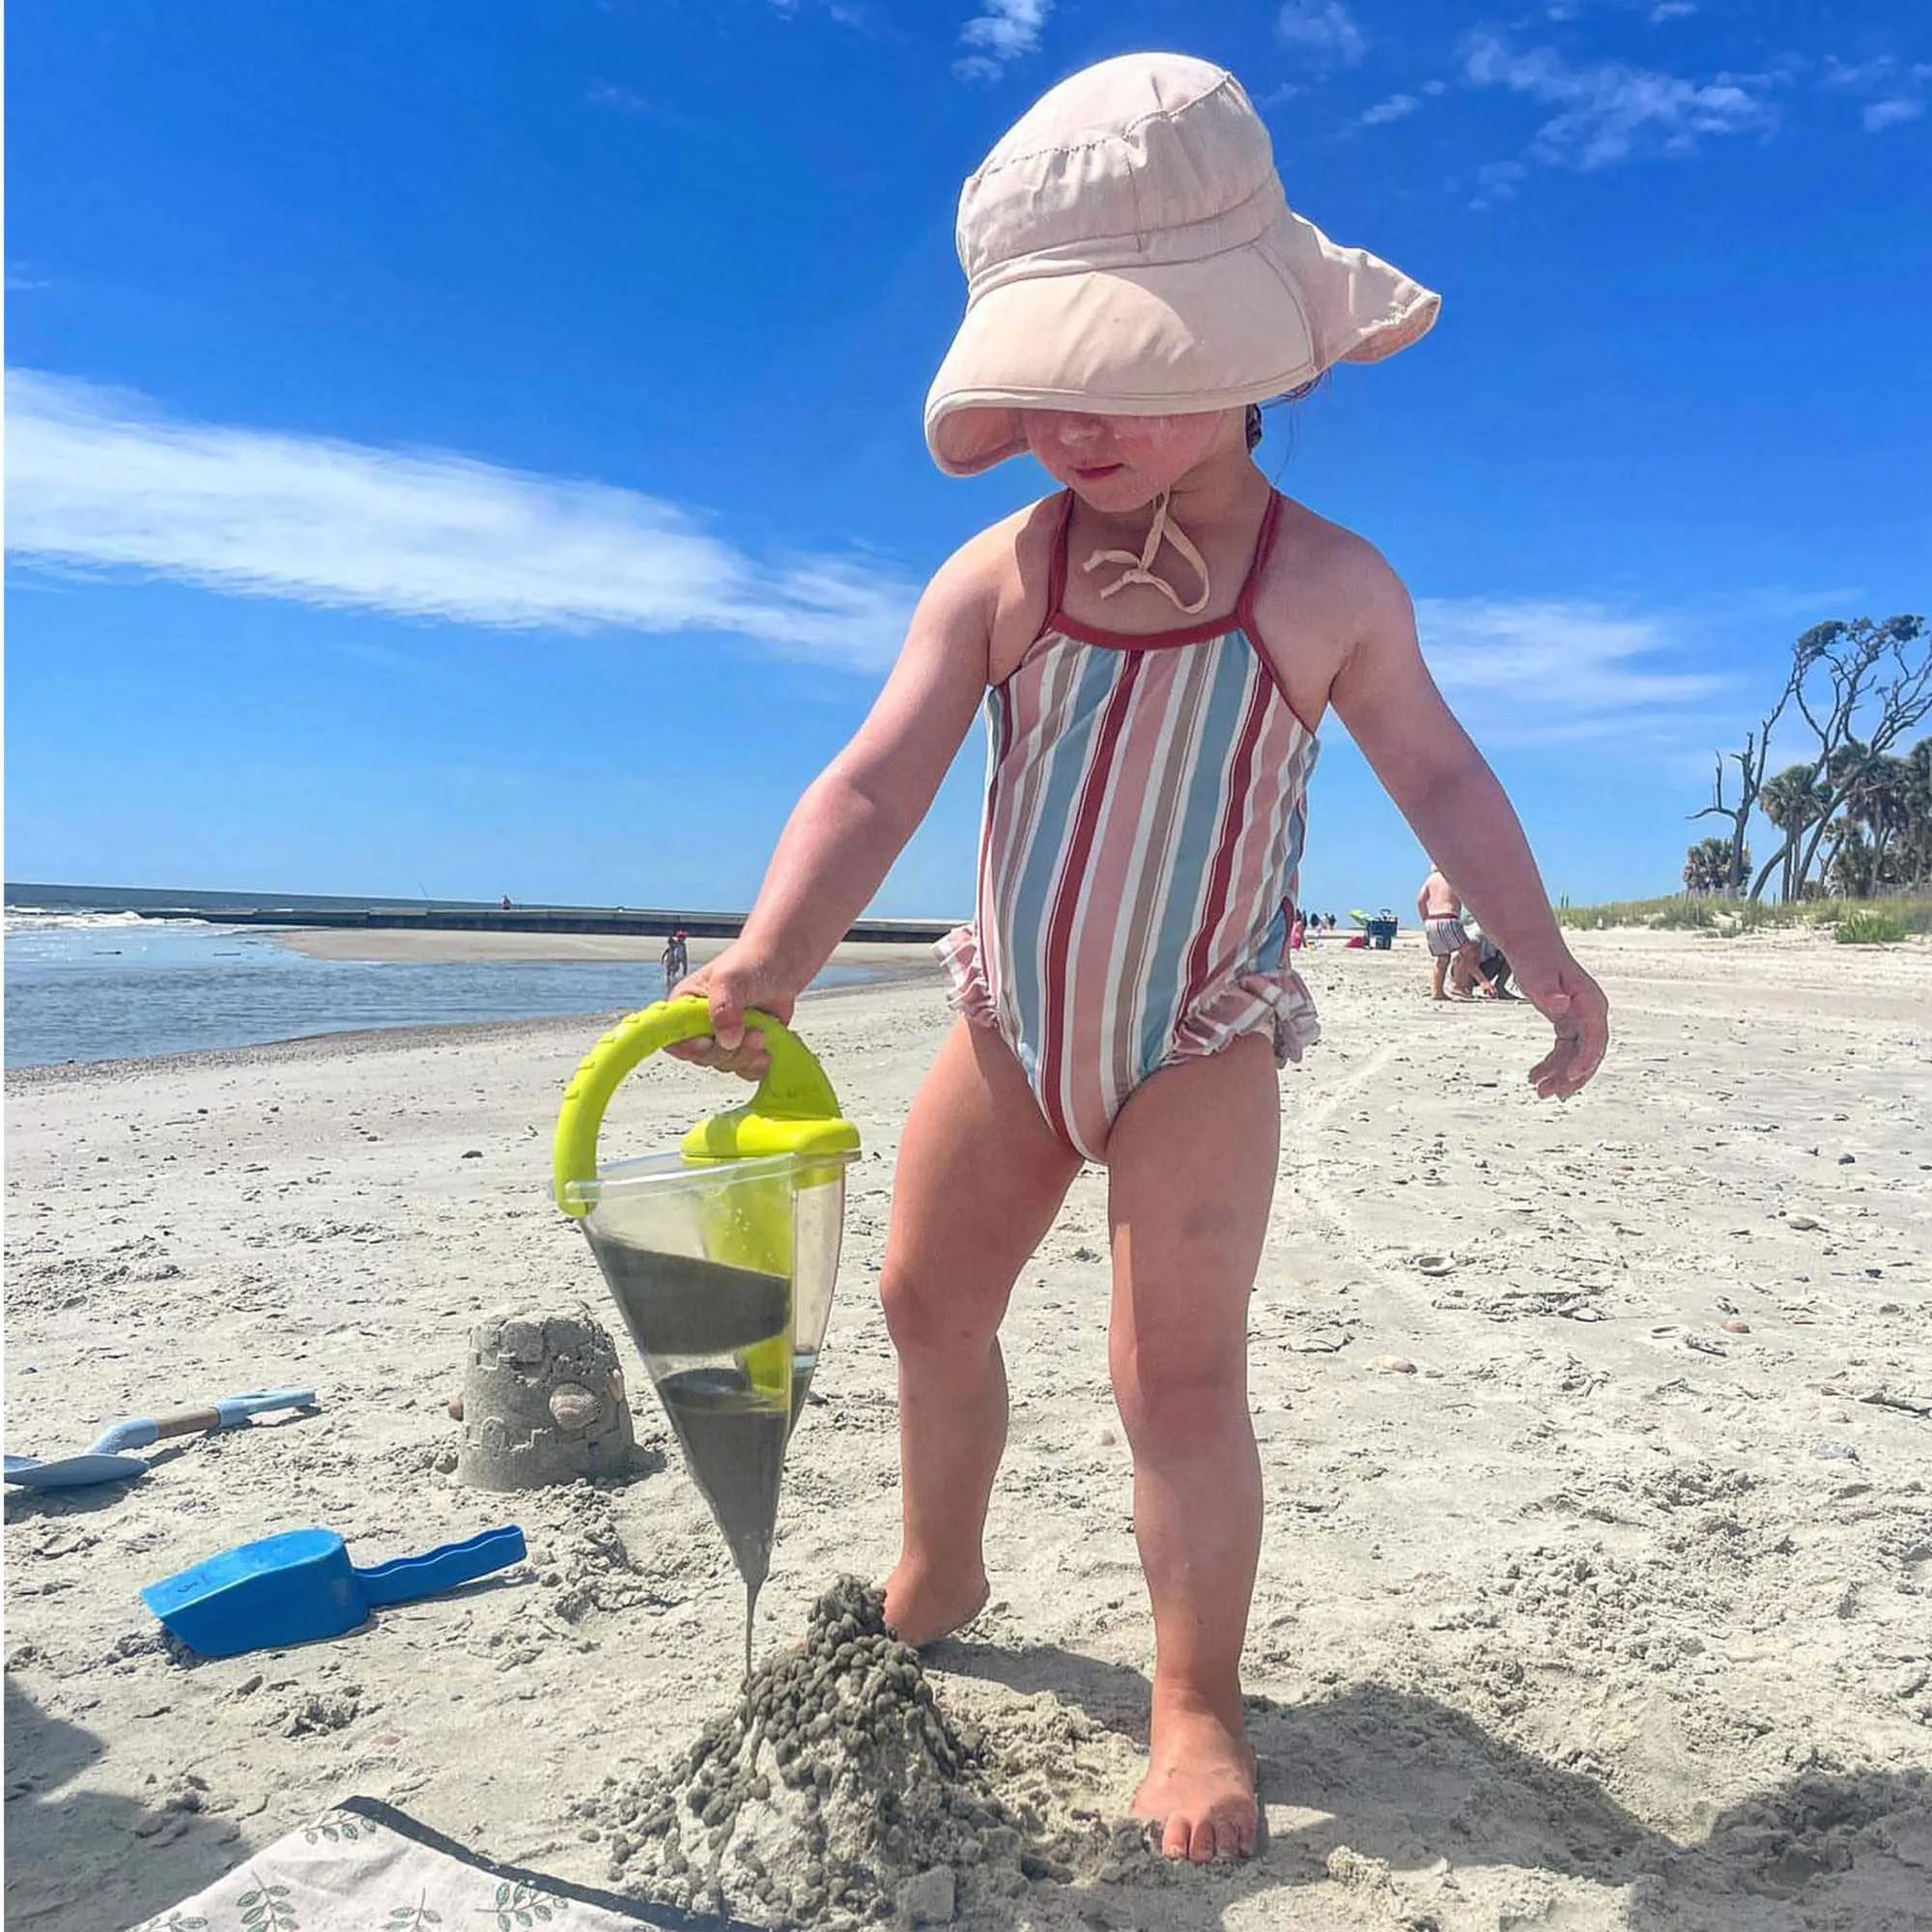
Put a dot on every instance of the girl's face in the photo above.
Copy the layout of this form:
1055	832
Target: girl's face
1121	462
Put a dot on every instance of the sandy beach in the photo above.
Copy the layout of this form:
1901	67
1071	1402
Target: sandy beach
1597	1582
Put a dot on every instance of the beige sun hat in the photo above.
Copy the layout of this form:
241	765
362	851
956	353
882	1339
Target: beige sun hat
1128	252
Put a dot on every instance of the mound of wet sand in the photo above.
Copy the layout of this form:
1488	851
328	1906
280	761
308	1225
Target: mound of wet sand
837	1793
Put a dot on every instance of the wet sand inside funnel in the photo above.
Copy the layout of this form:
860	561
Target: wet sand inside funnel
735	1442
684	1306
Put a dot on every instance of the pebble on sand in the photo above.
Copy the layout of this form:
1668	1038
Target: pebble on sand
928	1899
1391	1365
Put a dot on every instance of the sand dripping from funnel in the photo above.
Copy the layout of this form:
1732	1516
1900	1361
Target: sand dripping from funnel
834	1794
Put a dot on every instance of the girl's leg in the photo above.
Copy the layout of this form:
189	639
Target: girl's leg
980	1176
1191	1167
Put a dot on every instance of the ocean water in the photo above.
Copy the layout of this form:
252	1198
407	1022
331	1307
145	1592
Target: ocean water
115	987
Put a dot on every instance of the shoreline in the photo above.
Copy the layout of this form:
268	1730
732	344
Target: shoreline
402	1039
884	958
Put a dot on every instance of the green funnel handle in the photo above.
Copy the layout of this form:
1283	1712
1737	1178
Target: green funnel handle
794	1087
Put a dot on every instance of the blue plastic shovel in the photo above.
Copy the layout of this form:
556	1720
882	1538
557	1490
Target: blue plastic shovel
108	1462
301	1586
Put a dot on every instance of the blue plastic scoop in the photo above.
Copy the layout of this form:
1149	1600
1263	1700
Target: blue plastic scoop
108	1460
301	1586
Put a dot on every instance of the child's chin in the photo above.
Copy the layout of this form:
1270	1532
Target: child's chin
1121	491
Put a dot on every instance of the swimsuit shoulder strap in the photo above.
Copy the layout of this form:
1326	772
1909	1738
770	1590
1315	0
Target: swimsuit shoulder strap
1056	575
1245	603
1244	606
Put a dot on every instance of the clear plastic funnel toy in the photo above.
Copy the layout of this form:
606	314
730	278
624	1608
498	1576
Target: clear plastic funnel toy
721	1258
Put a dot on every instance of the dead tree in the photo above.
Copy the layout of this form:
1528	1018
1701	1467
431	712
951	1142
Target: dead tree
1838	671
1750	763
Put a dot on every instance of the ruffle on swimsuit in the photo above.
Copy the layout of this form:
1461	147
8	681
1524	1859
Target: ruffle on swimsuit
1145	820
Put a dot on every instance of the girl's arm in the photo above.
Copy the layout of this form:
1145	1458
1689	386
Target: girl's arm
856	817
1384	695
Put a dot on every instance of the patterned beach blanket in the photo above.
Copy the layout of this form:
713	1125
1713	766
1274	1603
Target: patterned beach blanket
365	1867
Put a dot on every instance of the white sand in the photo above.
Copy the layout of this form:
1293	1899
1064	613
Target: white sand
1584	1624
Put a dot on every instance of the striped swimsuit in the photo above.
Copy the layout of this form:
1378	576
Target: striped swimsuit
1137	864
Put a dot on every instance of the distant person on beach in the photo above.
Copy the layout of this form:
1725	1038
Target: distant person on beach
1153	646
677	960
1439	907
1492	962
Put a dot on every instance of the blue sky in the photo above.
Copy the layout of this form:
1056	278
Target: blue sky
469	449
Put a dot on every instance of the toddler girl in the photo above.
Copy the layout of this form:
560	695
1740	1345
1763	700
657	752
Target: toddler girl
1155	647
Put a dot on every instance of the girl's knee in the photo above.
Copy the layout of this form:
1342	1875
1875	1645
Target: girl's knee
1176	1388
926	1314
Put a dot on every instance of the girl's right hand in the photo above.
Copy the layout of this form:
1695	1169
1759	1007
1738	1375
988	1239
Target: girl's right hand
733	983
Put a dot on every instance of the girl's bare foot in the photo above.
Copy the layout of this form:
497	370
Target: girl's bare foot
922	1606
1200	1786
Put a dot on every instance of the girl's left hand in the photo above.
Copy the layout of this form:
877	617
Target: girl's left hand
1574	1004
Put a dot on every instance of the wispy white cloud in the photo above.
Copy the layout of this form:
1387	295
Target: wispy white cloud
1898	86
1609	111
607	94
1395	108
383	657
1323	30
1882	70
100	481
1654	11
1495	182
647	106
847	12
1000	32
1560	670
1883	114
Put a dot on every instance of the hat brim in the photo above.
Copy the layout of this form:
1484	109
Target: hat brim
1165	339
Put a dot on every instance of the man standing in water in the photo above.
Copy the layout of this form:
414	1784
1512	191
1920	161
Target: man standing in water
1439	907
677	960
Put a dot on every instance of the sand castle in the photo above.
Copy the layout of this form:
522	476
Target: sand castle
543	1402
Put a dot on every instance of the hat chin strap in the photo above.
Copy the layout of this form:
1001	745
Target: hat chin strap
1140	569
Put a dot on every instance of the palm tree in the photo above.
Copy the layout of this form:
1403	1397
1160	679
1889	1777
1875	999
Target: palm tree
1884	807
1793	802
1707	866
1853	870
1914	858
1873	794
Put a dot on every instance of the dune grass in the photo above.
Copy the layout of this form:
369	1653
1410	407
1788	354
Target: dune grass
1868	927
1724	917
